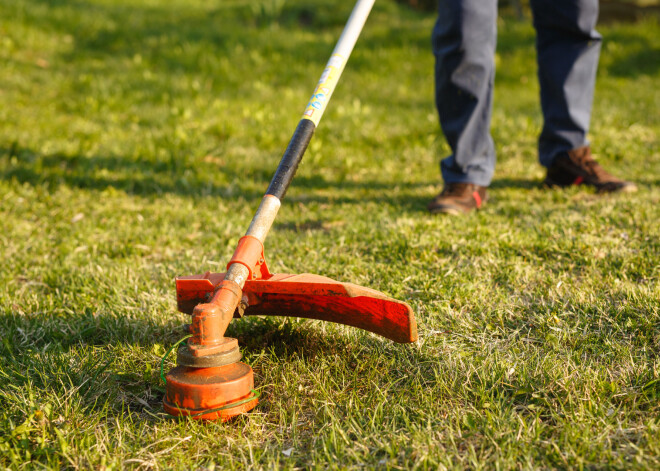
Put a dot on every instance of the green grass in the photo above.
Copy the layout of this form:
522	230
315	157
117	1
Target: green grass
136	139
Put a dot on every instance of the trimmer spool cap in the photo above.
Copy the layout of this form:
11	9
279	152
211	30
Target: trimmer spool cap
200	392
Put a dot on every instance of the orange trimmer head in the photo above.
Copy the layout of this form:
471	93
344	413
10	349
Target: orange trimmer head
210	382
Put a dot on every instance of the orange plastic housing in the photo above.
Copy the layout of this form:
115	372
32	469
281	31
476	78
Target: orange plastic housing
207	393
311	297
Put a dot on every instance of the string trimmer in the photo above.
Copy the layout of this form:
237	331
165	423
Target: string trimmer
210	381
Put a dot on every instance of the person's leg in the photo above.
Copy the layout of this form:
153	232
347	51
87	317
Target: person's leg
464	39
568	47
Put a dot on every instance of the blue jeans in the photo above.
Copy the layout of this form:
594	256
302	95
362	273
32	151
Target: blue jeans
464	38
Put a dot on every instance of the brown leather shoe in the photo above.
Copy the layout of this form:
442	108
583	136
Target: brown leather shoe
578	167
458	198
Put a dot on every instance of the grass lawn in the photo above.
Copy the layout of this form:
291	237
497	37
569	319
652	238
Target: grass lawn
136	140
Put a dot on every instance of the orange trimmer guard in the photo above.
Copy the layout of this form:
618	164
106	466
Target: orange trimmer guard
311	297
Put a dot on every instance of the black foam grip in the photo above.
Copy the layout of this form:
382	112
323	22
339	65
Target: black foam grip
291	158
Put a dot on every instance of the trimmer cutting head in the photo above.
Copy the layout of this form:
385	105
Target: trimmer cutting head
215	393
215	385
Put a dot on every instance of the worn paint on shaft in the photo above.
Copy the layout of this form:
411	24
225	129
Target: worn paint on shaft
264	217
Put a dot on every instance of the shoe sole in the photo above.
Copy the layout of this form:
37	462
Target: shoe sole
626	188
629	188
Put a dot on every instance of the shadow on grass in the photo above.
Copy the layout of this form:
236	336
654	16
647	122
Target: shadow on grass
76	368
83	360
157	177
641	57
193	179
112	384
191	39
633	54
405	375
133	176
159	33
518	183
